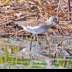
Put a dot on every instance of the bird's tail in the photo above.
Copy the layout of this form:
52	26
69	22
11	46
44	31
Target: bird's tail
18	23
25	28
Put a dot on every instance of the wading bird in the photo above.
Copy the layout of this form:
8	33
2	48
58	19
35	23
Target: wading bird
38	26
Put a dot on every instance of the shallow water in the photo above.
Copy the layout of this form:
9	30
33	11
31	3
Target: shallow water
16	54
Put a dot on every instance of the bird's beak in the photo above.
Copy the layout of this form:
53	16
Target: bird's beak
58	24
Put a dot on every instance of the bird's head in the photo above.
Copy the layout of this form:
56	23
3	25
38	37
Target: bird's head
53	19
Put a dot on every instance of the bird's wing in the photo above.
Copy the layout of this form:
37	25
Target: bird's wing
33	23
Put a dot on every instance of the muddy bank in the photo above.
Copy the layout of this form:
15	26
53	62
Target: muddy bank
32	10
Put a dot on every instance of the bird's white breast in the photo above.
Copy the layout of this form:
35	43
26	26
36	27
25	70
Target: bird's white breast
34	30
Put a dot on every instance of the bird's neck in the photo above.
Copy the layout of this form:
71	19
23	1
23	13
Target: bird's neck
49	23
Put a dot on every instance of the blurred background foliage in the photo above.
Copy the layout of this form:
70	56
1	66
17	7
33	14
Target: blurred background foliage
19	1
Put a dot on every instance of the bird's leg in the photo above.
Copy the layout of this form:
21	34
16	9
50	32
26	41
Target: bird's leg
31	42
37	40
46	38
34	37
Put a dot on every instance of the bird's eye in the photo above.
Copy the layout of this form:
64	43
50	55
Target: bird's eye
55	19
